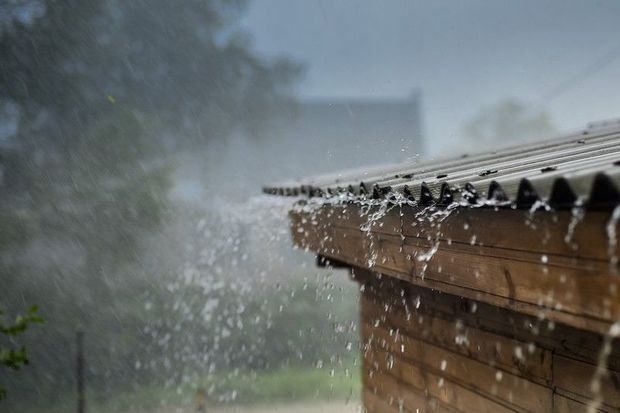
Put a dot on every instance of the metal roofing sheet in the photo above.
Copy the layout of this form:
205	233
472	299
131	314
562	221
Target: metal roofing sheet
579	168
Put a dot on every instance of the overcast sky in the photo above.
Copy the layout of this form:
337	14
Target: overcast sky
561	55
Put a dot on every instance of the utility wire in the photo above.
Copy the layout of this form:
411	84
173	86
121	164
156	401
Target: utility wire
580	76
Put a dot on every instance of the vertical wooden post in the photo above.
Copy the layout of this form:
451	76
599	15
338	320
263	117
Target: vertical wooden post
80	371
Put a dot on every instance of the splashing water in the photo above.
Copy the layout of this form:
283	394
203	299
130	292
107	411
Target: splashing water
383	207
374	210
612	240
426	257
539	204
601	367
577	215
235	286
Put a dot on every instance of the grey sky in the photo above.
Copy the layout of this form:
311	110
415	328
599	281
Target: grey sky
462	54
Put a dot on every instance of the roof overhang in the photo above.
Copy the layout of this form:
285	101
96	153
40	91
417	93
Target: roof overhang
582	168
539	237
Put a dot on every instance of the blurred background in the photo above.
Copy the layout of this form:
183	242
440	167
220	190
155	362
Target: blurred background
134	140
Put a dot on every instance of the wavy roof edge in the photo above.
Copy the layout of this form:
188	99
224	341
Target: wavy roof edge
577	169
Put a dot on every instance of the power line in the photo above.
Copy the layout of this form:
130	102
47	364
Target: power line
580	76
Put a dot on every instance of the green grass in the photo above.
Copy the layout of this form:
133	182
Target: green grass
265	388
290	385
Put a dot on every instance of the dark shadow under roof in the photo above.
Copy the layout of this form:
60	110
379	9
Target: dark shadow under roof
582	168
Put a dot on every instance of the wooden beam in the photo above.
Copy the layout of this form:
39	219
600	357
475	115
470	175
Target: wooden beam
528	267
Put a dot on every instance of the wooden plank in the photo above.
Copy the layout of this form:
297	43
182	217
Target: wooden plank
441	388
409	324
563	404
489	381
486	347
572	290
561	339
403	397
391	393
542	232
375	404
414	377
575	377
585	297
548	336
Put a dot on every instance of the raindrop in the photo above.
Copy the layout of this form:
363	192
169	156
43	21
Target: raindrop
499	375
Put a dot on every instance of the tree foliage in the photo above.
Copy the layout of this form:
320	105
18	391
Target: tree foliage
508	121
10	356
104	93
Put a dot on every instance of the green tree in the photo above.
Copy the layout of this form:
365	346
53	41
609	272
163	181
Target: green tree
107	92
508	121
10	356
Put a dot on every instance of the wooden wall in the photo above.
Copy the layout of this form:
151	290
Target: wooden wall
481	310
424	350
508	258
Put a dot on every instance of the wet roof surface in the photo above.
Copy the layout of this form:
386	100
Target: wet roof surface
578	168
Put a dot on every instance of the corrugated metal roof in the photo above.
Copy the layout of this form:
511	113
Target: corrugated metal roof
582	167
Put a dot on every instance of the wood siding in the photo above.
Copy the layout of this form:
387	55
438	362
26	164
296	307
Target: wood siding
425	351
479	310
507	258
